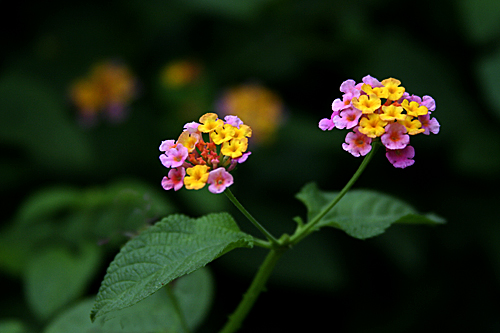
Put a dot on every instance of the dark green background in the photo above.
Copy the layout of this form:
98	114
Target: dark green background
407	280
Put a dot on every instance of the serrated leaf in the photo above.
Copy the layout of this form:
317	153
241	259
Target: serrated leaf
193	293
361	213
55	277
173	247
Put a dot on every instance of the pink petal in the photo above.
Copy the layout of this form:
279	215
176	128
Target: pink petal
401	158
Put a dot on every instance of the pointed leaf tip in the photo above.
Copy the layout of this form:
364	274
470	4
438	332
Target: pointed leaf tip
362	213
173	247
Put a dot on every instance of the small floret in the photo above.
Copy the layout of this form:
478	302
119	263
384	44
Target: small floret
175	179
219	179
372	126
209	122
401	158
414	109
394	90
391	113
235	147
197	177
395	136
366	103
357	143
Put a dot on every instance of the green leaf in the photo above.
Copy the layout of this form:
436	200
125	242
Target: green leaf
488	69
173	247
12	326
56	276
69	215
361	213
158	313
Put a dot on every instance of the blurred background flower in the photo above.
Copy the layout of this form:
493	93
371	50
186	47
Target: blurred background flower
262	109
181	73
107	90
185	88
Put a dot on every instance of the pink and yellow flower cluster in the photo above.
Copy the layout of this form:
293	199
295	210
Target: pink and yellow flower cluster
205	152
109	88
382	111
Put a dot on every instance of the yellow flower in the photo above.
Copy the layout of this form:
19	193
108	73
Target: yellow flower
394	91
243	132
209	122
366	103
86	96
197	177
381	92
188	140
222	134
372	126
412	126
414	109
392	113
234	148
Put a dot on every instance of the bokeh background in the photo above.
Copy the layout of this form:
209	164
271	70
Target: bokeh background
89	89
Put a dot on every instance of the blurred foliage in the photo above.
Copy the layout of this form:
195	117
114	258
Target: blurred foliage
67	210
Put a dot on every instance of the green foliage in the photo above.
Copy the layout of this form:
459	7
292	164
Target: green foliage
480	18
52	242
67	216
30	106
227	8
55	276
185	306
488	70
361	213
12	326
175	246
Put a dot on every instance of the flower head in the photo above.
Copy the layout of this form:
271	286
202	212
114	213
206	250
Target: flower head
205	152
108	89
383	112
263	108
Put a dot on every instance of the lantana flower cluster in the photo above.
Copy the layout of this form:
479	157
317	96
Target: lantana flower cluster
108	89
264	109
205	153
382	111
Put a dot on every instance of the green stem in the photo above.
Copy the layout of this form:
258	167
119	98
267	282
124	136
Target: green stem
278	247
258	284
242	209
306	229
